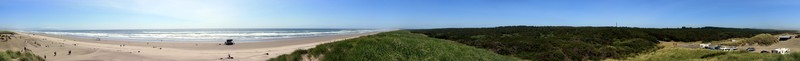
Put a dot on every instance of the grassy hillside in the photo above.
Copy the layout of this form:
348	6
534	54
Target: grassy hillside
557	43
21	56
394	46
761	39
10	55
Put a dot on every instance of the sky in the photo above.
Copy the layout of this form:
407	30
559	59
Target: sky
393	14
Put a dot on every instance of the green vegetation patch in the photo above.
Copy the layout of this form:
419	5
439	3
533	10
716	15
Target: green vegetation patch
565	43
760	39
6	32
394	46
677	54
21	56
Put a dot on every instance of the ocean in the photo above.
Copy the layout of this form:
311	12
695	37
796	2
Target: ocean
200	35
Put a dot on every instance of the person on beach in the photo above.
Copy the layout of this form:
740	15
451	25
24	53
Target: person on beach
54	54
70	52
229	56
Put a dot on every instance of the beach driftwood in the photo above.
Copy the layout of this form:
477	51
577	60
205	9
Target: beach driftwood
229	42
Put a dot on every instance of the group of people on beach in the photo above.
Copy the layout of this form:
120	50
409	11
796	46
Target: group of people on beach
56	53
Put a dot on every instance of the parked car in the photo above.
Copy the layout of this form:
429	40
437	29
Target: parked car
751	49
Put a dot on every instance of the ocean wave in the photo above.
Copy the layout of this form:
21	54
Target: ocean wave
203	35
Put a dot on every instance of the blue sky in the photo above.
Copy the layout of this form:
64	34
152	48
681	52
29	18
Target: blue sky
169	14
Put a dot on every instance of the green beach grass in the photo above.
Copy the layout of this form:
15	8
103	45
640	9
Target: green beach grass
6	32
760	39
394	46
19	56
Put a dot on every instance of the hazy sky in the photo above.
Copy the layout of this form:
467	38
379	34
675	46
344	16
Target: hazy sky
162	14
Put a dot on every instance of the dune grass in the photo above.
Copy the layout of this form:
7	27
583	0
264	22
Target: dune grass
760	39
6	32
674	54
20	56
394	46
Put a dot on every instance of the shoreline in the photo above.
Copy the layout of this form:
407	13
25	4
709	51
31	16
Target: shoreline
120	50
203	45
194	40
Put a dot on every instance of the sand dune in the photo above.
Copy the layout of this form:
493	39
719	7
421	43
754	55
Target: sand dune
56	48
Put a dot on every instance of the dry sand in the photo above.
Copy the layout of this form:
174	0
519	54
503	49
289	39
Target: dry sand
115	50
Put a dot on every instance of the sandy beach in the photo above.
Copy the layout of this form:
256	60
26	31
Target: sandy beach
61	48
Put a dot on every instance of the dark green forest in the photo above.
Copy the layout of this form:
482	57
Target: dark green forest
557	43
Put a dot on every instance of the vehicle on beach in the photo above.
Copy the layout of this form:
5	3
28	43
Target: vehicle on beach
229	42
784	38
